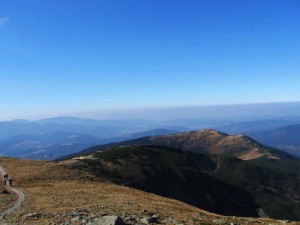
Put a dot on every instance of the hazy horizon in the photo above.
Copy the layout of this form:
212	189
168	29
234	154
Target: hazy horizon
230	112
95	58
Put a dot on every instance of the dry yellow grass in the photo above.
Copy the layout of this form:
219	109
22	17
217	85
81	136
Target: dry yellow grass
52	188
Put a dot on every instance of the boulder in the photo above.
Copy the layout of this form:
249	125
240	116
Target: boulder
108	220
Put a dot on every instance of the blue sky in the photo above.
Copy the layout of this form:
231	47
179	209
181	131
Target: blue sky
62	56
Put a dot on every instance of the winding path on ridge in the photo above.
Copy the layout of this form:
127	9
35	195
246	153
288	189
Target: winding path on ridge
20	196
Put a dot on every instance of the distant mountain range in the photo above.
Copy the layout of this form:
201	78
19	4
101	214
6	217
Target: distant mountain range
282	134
55	137
46	146
55	145
286	138
226	174
246	127
99	128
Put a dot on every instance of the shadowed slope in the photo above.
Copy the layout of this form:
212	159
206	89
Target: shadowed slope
171	173
270	175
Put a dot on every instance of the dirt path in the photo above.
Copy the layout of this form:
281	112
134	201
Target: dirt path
20	196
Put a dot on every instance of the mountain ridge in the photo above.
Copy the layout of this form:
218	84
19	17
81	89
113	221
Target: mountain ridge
207	141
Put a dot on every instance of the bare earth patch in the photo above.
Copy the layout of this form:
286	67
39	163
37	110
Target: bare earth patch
251	155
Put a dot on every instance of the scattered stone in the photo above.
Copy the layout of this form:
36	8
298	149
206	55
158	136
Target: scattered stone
127	218
149	219
201	214
75	219
155	217
283	221
218	221
108	220
32	216
146	220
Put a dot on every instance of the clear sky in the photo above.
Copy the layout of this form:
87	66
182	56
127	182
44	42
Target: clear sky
62	56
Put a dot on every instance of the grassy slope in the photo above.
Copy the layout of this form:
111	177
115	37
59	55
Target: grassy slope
273	183
270	181
172	173
54	188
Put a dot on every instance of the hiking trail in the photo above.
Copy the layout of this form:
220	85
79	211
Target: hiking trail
20	196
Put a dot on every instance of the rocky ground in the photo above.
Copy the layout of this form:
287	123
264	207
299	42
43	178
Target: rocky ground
56	194
87	217
6	198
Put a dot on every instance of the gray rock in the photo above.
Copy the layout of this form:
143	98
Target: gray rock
149	219
127	218
75	219
218	221
155	217
32	216
283	221
146	220
108	220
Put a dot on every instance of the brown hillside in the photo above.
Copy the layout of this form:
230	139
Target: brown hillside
214	142
53	190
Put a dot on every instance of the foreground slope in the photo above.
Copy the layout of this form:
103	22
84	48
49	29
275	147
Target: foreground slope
58	194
